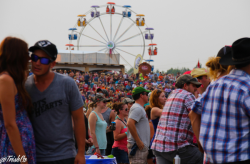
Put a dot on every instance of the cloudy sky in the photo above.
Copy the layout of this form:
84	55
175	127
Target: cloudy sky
185	31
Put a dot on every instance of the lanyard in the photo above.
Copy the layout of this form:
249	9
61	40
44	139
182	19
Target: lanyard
121	121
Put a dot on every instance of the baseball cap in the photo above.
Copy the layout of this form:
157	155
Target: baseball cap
128	100
139	90
100	97
198	72
185	79
48	47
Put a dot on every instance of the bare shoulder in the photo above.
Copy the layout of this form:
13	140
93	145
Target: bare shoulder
92	115
155	109
119	123
112	112
6	79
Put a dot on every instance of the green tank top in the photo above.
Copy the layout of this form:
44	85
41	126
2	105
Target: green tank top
100	132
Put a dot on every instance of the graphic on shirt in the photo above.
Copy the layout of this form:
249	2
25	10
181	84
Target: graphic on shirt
41	106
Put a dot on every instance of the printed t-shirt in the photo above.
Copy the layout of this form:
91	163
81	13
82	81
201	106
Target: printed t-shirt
51	117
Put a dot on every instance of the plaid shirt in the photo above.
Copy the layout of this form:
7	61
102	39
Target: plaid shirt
174	129
225	118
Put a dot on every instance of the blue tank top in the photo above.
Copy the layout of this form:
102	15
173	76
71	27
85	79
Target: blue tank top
155	123
100	132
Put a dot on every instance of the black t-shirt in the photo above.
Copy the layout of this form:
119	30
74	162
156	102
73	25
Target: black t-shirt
86	126
86	130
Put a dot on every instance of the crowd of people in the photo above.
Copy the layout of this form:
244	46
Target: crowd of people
117	86
54	117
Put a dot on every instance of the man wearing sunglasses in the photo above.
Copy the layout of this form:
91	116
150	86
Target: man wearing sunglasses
174	132
138	128
56	100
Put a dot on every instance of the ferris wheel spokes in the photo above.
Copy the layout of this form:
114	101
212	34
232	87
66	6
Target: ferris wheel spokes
104	28
91	46
97	32
125	52
102	49
125	32
131	37
90	37
118	28
131	46
110	27
124	59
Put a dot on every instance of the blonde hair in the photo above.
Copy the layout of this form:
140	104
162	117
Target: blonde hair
215	68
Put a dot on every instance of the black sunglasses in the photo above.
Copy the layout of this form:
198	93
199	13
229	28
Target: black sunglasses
126	109
145	93
43	60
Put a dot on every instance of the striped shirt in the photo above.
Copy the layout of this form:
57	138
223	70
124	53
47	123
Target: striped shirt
225	118
174	129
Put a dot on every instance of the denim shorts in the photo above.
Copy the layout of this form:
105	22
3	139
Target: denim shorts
120	155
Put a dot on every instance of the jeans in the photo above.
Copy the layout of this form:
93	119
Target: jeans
121	155
187	154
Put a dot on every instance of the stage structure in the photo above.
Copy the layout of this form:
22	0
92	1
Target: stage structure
88	61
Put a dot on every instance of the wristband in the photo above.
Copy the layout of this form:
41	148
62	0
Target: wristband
126	133
90	137
96	147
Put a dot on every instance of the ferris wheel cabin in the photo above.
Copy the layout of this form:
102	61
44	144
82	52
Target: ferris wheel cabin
69	46
95	13
72	36
149	35
140	21
110	8
81	20
126	13
152	50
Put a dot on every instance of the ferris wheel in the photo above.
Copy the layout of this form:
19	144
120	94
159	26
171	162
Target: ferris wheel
111	29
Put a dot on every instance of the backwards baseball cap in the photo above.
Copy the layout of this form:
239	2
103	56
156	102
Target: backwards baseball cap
100	97
128	100
139	90
198	72
48	47
185	79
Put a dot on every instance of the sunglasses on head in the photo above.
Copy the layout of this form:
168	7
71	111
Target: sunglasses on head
43	60
159	91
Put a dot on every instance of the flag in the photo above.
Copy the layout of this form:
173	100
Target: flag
198	65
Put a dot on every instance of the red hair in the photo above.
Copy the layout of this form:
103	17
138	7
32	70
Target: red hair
154	99
14	59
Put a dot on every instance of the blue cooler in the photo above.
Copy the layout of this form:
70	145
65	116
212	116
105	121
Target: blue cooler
100	161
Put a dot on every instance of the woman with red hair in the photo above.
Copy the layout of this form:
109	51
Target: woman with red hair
157	101
16	133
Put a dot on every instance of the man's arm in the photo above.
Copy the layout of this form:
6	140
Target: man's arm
132	129
80	133
196	124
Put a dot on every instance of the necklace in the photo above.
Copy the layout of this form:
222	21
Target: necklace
121	121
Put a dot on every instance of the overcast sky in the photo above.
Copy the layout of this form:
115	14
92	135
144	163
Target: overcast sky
185	31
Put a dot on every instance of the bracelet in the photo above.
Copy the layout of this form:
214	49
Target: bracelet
126	133
96	147
90	137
